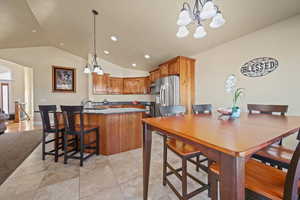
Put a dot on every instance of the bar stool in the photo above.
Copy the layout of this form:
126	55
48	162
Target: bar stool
48	113
70	113
187	153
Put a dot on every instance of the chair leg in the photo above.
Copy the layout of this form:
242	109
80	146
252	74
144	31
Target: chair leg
81	149
56	143
63	140
44	146
165	155
97	142
213	182
184	179
209	177
65	148
198	162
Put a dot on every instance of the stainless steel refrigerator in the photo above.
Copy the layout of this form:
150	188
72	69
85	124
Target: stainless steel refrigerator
167	92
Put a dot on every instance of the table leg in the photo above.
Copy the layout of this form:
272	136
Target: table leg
147	141
232	177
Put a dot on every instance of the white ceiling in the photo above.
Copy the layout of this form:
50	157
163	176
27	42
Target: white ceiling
142	26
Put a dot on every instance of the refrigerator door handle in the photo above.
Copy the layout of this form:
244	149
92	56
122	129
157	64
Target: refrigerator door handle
160	96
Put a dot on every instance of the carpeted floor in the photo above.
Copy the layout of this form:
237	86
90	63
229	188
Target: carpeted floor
14	148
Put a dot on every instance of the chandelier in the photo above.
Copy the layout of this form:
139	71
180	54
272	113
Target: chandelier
202	10
93	60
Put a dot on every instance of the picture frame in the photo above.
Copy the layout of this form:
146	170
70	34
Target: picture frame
63	79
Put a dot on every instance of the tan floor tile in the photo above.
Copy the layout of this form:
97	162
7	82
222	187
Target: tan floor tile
96	180
106	194
67	190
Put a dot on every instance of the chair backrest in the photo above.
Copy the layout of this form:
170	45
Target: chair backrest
46	111
202	108
291	186
166	111
69	115
268	109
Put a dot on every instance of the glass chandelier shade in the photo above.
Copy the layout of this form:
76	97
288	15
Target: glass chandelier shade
200	32
217	21
182	32
93	60
202	10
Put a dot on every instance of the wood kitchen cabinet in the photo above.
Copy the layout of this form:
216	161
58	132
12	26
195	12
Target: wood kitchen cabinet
115	85
135	85
100	83
154	75
174	67
164	70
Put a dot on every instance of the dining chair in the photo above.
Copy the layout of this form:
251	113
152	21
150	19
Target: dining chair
202	108
51	126
79	130
187	153
265	182
277	154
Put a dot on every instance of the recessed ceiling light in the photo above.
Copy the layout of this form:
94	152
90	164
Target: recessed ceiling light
106	52
61	44
114	38
133	65
34	31
146	56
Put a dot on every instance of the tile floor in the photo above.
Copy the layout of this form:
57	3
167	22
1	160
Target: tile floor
116	177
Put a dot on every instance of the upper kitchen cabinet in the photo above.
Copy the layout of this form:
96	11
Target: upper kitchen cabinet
115	85
154	75
174	66
100	83
164	70
136	85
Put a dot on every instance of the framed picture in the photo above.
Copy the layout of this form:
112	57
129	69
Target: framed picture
63	79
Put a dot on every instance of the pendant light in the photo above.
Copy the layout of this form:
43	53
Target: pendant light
93	60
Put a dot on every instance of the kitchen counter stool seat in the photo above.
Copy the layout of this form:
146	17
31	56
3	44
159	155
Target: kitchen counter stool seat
72	128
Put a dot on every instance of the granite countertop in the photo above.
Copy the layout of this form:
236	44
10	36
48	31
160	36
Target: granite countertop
113	110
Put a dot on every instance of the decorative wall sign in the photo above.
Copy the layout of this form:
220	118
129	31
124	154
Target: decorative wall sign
259	67
63	79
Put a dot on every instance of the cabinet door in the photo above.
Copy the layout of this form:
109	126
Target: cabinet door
100	83
152	78
115	85
135	85
164	71
156	74
174	67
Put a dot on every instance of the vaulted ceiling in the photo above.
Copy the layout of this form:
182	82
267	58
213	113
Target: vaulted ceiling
142	26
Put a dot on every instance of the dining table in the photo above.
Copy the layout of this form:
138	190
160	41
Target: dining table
229	142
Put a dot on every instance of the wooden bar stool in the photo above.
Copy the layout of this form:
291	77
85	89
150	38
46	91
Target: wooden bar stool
277	154
266	182
79	131
50	125
187	153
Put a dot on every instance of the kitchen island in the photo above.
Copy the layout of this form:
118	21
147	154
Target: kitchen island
120	128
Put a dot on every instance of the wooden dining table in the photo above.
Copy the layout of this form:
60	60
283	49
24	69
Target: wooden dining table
229	142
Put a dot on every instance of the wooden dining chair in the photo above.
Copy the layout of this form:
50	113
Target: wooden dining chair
187	153
276	154
202	108
79	130
265	182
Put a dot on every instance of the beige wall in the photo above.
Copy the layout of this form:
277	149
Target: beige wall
117	71
280	41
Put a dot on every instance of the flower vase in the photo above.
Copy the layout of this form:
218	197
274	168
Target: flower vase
236	112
